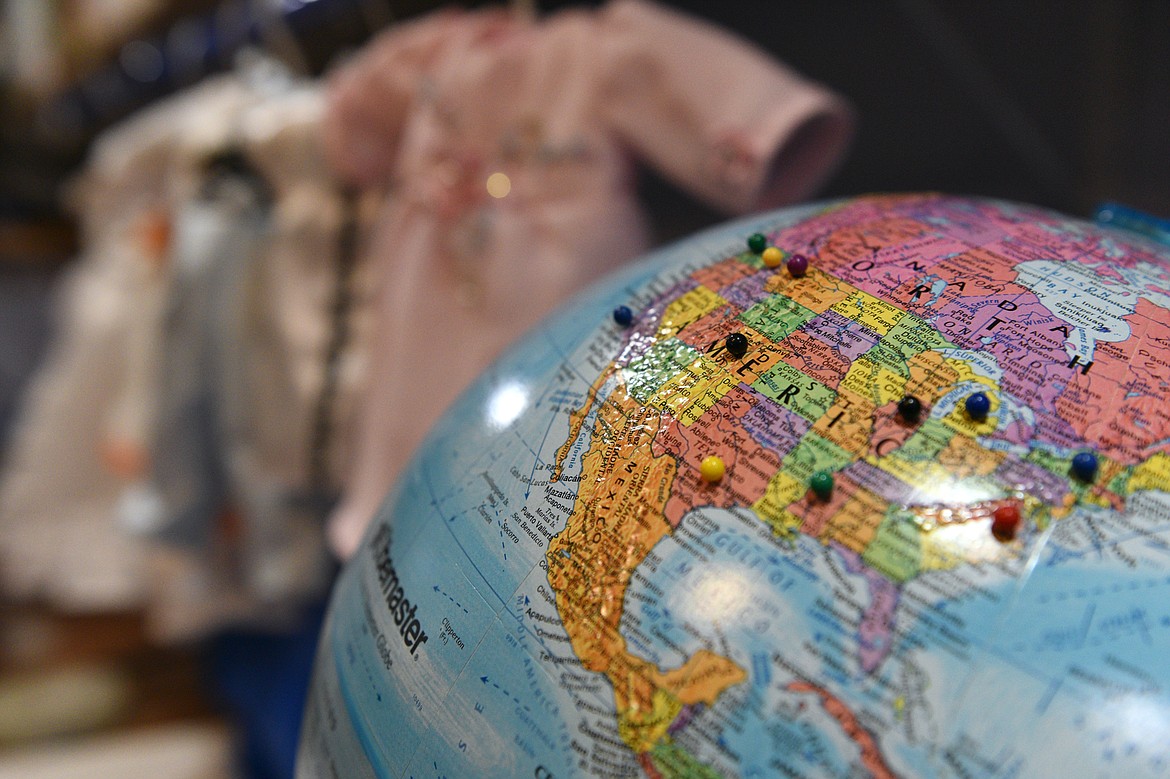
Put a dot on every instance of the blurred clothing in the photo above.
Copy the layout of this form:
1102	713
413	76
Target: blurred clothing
81	432
183	442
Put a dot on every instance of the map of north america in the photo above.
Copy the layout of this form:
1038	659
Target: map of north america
892	306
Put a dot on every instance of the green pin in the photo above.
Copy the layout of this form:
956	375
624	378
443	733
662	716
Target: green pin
757	242
821	484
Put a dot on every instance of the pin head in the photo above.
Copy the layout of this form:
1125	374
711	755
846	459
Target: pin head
1005	522
910	408
797	265
978	405
623	316
821	484
1084	466
772	257
737	344
712	469
757	242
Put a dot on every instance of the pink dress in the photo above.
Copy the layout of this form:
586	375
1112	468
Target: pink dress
437	109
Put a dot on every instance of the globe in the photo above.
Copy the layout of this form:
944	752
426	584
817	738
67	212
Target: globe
890	500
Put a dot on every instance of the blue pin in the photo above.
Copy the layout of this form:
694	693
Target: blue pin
623	316
1084	466
978	405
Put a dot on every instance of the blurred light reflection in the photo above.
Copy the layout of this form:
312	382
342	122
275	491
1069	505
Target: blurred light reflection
957	492
1140	719
506	404
499	185
718	595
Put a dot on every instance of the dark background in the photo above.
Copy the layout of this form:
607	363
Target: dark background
1057	102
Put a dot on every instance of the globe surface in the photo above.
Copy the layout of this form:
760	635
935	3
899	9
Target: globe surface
554	589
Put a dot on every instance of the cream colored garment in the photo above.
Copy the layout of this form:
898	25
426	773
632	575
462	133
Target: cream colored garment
284	343
562	107
271	343
60	536
294	288
82	455
269	333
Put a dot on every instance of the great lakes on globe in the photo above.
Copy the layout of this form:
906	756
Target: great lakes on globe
553	590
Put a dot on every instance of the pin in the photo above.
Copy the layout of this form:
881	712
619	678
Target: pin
1005	522
623	316
797	265
757	242
737	344
821	484
772	257
1084	466
712	469
910	408
977	405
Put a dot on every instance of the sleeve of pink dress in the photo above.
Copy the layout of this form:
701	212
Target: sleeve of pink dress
715	115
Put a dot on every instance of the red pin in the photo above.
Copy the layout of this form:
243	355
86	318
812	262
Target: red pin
1005	522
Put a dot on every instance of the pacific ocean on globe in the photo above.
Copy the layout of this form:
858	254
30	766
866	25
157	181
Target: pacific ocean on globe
930	539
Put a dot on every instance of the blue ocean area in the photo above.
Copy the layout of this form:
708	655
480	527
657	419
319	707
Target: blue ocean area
751	599
1067	654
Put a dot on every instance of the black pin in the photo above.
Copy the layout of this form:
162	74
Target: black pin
910	408
737	344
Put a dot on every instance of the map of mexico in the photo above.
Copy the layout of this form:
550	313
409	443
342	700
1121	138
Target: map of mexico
631	616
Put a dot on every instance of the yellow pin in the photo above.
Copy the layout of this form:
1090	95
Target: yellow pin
712	468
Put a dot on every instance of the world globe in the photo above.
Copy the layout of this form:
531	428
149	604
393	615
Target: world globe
870	488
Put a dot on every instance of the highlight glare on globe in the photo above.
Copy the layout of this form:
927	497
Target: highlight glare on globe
914	521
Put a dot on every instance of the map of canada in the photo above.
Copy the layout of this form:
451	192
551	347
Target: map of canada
555	590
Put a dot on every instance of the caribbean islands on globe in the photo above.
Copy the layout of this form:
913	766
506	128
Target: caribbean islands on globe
893	500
